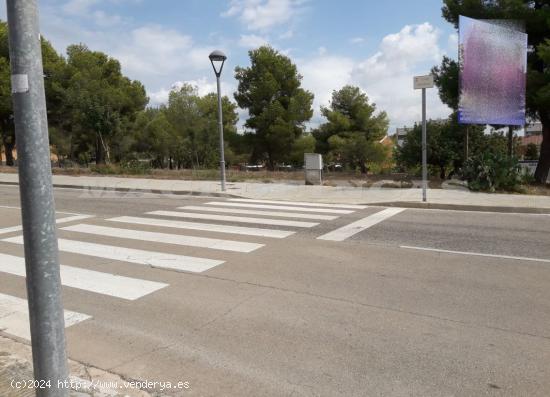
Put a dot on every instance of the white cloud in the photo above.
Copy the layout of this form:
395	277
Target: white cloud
386	76
264	14
79	7
152	54
357	40
452	43
252	41
287	35
204	86
322	75
322	51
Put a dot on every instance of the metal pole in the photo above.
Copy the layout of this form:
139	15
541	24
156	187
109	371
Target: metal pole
467	142
510	141
424	148
220	128
37	203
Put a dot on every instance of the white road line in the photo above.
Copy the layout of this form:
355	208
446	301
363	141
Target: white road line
190	241
362	224
7	230
279	207
305	204
248	231
227	218
263	213
14	317
58	221
89	280
73	218
140	257
517	258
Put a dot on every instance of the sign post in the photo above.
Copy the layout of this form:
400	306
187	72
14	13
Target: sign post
37	202
423	82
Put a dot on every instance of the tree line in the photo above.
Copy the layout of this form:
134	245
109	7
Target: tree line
98	115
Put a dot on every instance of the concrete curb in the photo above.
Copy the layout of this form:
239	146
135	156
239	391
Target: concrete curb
460	207
129	190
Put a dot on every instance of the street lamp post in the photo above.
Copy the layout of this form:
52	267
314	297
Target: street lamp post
218	58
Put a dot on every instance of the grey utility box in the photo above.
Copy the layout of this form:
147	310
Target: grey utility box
314	168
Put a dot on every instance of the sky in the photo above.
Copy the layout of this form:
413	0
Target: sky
376	45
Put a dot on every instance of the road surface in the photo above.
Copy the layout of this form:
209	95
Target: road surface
259	298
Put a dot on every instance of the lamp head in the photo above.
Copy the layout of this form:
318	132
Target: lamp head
215	58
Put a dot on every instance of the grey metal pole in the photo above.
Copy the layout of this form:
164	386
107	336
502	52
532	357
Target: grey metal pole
47	324
220	128
424	148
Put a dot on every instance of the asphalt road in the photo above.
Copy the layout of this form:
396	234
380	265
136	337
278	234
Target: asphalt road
388	311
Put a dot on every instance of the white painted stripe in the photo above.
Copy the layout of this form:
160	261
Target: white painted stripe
279	207
191	241
14	317
227	218
89	280
248	231
263	213
516	258
140	257
73	218
12	229
302	203
58	221
362	224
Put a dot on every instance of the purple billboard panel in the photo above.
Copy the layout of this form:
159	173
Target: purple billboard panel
493	67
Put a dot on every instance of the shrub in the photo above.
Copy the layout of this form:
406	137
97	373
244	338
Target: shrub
490	172
135	167
104	169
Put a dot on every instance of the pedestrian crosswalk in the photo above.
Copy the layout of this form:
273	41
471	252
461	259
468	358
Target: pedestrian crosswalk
277	214
239	219
162	239
166	238
208	227
14	317
89	280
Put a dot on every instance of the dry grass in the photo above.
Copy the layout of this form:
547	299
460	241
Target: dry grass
397	180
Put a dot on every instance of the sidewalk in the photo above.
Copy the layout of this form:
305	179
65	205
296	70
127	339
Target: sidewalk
437	198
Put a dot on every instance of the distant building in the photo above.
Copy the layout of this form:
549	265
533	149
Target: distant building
533	134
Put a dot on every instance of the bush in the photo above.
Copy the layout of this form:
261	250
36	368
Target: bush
493	171
135	167
104	169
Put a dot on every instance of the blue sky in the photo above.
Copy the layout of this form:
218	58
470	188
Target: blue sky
377	45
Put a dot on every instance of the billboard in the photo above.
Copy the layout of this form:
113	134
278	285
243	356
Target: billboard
493	68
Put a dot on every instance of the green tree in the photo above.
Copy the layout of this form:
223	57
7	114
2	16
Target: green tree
303	144
441	151
154	137
54	77
531	152
103	103
446	79
536	14
194	120
353	131
277	105
445	143
209	137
